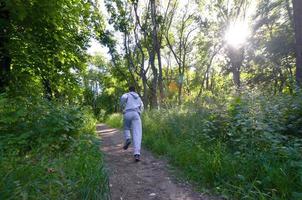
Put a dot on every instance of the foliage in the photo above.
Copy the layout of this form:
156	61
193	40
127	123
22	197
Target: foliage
46	44
244	149
75	173
188	52
173	52
47	147
30	122
102	87
115	120
49	151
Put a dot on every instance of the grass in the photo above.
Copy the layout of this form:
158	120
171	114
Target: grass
246	149
115	120
49	150
76	173
247	171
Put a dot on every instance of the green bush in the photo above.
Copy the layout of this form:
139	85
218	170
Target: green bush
49	151
27	123
115	120
245	148
76	173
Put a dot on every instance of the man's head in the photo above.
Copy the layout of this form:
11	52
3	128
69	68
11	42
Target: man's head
131	89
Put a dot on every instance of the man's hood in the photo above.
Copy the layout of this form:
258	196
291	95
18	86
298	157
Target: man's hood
135	95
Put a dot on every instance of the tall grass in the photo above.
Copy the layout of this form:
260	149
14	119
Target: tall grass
247	147
76	173
49	151
115	120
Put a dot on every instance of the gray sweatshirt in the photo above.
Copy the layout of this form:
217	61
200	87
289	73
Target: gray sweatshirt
131	102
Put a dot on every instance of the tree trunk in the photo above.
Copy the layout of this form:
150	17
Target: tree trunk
236	59
5	60
143	72
180	85
153	101
130	61
144	78
47	89
160	76
156	48
4	70
289	12
297	5
236	75
145	88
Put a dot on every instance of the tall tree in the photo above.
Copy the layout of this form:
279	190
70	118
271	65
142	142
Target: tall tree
46	44
5	59
297	5
233	12
181	45
141	53
272	47
157	47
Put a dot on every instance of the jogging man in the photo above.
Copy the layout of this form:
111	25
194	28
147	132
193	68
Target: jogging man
132	108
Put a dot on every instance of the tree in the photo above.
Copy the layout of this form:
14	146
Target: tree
136	45
141	27
5	59
297	5
271	47
46	45
157	47
182	44
232	12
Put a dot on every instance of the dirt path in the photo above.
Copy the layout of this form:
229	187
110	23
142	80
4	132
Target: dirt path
148	179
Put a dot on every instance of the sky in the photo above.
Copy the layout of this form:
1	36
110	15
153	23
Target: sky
97	48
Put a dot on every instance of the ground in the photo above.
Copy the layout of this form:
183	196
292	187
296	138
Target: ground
151	178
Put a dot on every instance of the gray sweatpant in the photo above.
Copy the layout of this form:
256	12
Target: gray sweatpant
132	121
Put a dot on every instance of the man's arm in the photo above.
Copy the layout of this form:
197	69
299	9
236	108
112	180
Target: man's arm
123	101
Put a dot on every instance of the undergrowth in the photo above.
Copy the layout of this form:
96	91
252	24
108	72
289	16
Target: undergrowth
49	151
115	120
247	147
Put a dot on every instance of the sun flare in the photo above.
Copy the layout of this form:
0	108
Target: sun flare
237	34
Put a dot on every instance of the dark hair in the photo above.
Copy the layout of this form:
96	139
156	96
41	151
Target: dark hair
131	89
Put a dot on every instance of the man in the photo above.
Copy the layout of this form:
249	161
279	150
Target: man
132	108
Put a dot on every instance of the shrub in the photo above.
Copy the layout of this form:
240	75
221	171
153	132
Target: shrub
76	173
115	120
27	123
49	151
245	148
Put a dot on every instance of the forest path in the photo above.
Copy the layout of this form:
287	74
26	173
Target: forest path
144	180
